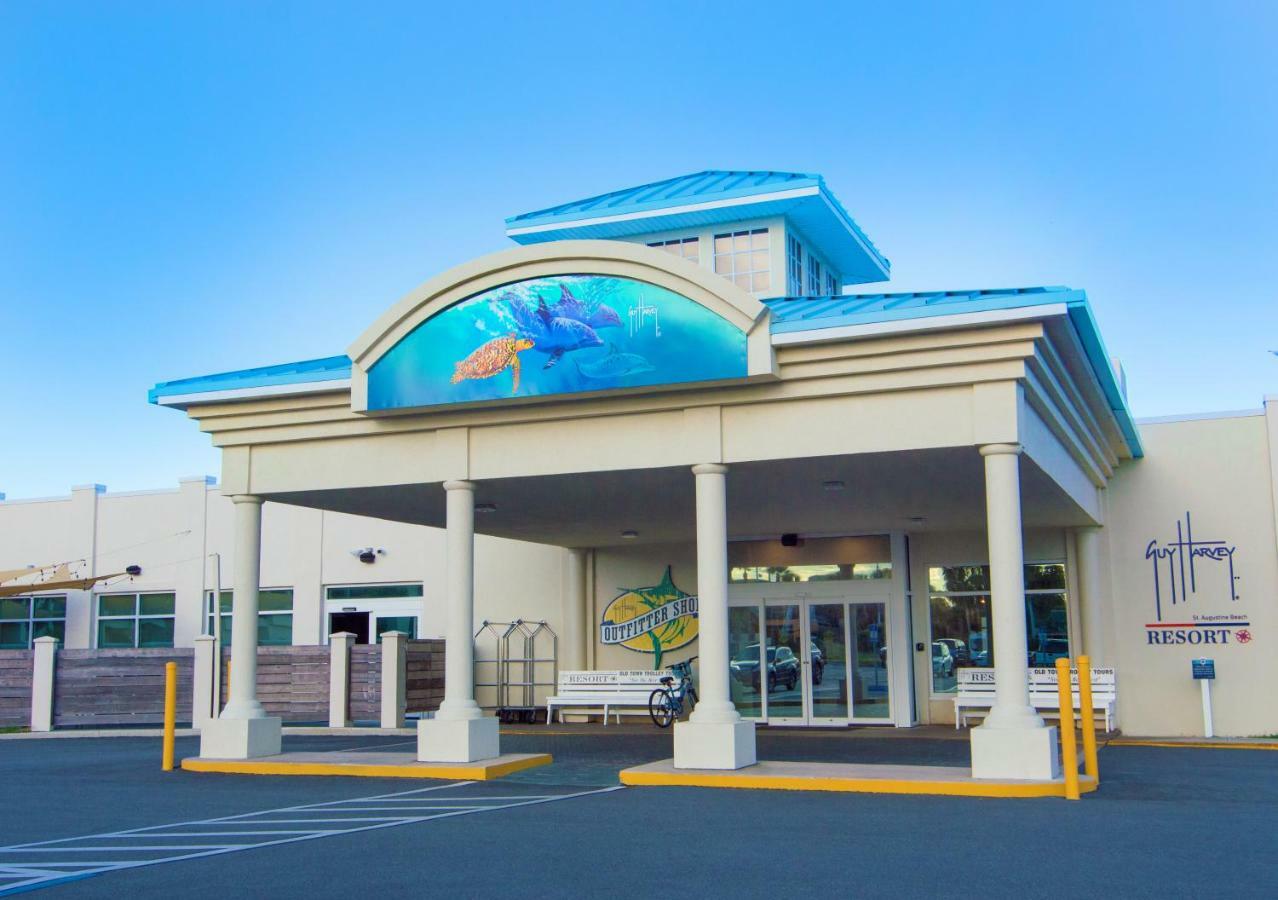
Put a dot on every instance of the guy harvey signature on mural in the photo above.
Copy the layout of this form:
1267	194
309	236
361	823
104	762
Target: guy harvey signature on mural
1177	575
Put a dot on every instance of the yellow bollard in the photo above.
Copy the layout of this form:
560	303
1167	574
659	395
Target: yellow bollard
170	713
1069	744
1087	719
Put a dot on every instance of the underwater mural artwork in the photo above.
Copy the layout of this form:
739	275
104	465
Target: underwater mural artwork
560	334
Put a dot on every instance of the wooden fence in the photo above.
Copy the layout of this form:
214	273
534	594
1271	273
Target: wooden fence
107	688
117	687
424	686
292	682
15	688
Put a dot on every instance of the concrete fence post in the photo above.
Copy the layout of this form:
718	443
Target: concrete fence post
394	678
43	662
202	692
339	679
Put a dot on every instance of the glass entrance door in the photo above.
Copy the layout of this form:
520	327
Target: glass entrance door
810	661
785	659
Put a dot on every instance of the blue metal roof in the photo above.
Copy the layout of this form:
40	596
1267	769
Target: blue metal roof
691	201
790	314
330	368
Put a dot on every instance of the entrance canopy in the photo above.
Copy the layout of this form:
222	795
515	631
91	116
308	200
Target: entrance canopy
559	375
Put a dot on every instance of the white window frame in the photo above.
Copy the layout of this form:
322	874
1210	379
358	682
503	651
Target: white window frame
209	612
688	248
794	266
30	621
1064	591
136	618
744	257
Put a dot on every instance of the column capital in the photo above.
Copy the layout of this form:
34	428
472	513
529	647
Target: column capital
246	498
1001	449
709	469
459	486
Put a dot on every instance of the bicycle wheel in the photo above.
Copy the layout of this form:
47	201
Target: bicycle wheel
661	706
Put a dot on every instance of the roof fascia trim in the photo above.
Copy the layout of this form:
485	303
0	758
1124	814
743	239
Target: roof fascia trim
903	324
744	200
297	389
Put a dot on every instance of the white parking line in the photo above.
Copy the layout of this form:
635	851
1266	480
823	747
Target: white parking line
23	874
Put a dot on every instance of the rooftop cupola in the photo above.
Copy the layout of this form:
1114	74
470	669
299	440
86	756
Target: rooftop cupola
774	234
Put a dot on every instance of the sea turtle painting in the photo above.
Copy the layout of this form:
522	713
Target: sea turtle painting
491	358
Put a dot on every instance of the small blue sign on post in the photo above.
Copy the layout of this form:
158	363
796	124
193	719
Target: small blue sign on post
1204	669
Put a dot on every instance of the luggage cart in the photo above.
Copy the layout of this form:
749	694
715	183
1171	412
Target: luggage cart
518	666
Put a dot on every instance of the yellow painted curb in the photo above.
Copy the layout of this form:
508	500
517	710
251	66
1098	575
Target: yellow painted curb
1195	745
458	772
1016	789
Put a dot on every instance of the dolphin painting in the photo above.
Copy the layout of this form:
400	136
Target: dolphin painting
551	334
569	307
615	365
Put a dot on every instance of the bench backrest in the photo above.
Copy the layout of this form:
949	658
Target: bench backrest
974	682
615	681
1104	681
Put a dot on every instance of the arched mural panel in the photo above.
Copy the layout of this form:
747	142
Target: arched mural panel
561	334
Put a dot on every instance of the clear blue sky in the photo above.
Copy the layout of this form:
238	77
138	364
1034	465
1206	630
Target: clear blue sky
187	189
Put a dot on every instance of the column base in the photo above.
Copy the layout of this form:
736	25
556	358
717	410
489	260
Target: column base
240	738
458	740
1022	753
714	745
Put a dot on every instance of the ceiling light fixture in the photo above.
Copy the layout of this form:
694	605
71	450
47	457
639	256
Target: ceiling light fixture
629	535
485	507
832	485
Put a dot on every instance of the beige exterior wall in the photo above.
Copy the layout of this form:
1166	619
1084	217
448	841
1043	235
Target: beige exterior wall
1220	471
171	534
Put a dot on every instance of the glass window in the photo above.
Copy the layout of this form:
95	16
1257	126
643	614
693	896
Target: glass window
136	620
813	559
274	616
962	632
831	283
814	275
743	257
685	248
794	266
373	591
406	624
23	619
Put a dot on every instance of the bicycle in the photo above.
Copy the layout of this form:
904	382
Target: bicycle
665	704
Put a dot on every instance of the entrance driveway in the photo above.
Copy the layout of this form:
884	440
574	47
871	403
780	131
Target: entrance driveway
1166	822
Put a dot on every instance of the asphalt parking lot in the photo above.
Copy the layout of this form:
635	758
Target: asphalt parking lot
1166	822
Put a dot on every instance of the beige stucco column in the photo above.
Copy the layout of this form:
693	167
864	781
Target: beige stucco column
1091	599
1013	742
460	732
243	730
715	736
576	628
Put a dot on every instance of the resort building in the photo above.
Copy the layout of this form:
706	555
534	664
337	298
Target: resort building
669	424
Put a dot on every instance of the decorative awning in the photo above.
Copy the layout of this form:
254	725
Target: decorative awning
53	577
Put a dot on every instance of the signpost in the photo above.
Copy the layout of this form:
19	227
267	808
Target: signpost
1204	671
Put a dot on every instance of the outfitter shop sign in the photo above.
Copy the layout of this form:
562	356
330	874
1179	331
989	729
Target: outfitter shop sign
1195	587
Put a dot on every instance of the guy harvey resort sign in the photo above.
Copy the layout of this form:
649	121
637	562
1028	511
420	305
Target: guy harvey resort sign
1186	568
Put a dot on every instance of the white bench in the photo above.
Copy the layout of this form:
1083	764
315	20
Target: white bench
976	692
611	692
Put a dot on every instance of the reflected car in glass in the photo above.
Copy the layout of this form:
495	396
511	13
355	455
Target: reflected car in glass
942	660
1048	651
958	650
818	662
783	667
